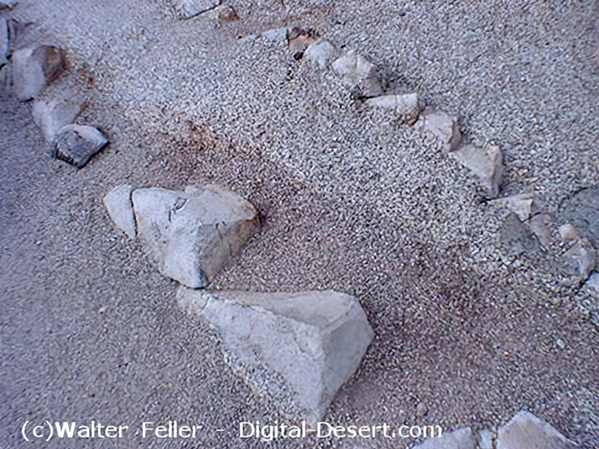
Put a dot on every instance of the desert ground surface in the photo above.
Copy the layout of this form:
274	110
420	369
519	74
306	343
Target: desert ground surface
351	199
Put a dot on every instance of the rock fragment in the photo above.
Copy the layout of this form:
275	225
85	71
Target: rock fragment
296	348
6	77
516	238
120	209
541	225
523	205
486	438
4	42
226	13
191	235
581	259
320	53
186	9
299	41
568	233
486	163
53	115
459	439
33	68
442	127
358	74
77	144
406	105
526	431
581	210
275	36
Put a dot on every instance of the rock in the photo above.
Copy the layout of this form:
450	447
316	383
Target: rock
295	348
459	439
120	209
523	205
53	115
442	127
226	13
4	42
33	68
187	9
275	37
526	431
406	105
540	225
516	238
581	210
486	438
581	259
299	41
593	284
358	74
191	235
8	4
77	144
319	52
568	233
485	163
6	77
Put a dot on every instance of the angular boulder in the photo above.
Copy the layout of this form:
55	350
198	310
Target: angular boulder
486	163
187	9
54	115
459	439
358	74
295	348
526	431
406	105
120	209
77	144
442	127
33	68
191	235
319	53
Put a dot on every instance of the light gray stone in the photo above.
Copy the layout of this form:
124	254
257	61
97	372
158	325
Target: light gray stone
319	53
274	37
53	115
406	105
296	348
358	74
485	163
581	259
120	209
526	431
77	144
593	284
459	439
442	127
4	42
33	68
191	235
523	205
486	437
568	233
187	9
541	225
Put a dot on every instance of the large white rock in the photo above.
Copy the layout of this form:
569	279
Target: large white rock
526	431
319	52
485	163
191	235
33	68
77	144
295	348
120	209
442	127
190	8
459	439
53	115
406	105
358	74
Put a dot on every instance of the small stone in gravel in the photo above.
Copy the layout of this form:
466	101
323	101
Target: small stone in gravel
4	42
358	74
568	233
459	439
187	9
120	209
274	37
299	41
406	105
226	13
319	53
53	115
485	163
523	205
296	348
191	235
77	144
580	260
33	68
541	225
441	126
516	238
526	431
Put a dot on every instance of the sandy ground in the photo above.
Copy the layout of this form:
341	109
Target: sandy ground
351	200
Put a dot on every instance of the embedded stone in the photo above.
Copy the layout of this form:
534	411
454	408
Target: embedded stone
320	53
442	127
486	163
406	105
459	439
358	74
54	115
526	431
77	144
187	9
34	67
120	209
523	205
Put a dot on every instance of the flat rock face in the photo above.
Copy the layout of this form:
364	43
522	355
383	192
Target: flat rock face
485	163
53	115
526	431
358	74
120	208
77	144
190	8
459	439
444	128
295	348
320	53
33	68
191	235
